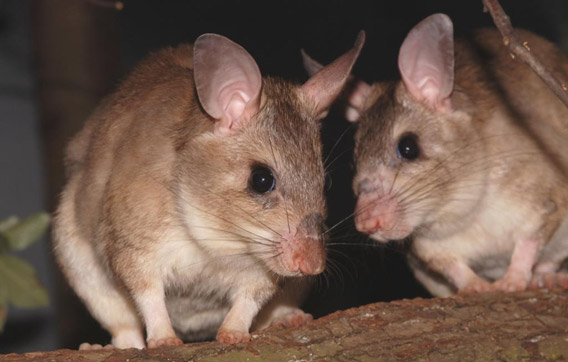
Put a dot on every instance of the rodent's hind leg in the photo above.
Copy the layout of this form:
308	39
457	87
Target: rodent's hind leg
106	303
436	258
434	282
89	279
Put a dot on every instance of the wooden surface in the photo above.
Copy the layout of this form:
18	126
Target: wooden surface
507	327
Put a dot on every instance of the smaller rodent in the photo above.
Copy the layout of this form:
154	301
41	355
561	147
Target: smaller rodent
195	198
467	156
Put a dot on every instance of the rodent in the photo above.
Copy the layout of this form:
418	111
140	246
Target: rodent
467	157
195	197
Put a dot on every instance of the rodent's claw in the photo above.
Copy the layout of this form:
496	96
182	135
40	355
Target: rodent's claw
477	286
510	283
170	341
232	337
91	347
293	319
551	281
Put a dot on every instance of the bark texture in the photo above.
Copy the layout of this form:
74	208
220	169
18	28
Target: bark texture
528	326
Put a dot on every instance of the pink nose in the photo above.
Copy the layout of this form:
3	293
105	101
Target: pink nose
310	261
367	219
311	267
369	225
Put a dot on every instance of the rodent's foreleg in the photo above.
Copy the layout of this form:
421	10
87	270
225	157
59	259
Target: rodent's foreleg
246	305
152	305
519	272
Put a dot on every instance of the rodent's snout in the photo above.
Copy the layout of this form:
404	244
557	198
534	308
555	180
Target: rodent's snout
309	259
378	215
304	252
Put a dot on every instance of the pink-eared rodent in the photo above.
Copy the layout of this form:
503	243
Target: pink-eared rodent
195	200
466	157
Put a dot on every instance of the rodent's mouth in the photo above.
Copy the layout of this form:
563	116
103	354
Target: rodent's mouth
391	236
299	256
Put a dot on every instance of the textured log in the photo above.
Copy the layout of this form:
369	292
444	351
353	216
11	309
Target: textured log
507	327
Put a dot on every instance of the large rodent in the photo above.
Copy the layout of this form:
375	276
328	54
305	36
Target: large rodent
195	197
468	156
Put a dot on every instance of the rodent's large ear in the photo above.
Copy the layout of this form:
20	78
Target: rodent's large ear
355	92
321	90
227	80
426	62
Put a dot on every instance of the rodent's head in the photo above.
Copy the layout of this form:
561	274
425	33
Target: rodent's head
254	183
419	161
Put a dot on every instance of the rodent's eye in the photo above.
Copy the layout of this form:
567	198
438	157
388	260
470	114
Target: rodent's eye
407	147
261	180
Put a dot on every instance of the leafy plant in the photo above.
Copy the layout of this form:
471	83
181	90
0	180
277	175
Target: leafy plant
19	285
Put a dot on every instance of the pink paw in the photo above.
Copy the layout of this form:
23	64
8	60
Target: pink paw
510	283
170	341
232	337
477	286
92	347
550	281
293	319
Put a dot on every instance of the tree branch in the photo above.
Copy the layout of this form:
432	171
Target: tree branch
522	50
525	326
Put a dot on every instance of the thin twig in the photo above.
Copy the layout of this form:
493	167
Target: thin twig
522	50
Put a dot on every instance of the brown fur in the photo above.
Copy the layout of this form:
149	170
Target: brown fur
157	203
492	172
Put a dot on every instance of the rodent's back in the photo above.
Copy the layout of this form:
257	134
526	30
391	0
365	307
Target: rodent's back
139	126
495	81
159	67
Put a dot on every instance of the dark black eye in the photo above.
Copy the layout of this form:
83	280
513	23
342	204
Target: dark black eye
261	180
408	147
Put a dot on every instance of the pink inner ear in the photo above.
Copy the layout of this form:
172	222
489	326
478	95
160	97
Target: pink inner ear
426	61
227	80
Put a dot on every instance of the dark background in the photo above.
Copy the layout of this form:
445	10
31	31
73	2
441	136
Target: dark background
59	57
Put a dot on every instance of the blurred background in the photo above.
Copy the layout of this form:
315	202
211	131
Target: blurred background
59	57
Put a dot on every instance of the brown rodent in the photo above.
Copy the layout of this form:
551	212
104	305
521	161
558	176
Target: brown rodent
467	156
195	197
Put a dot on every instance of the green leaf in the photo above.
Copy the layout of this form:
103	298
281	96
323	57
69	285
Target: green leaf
23	288
3	314
5	225
8	223
4	244
26	232
3	293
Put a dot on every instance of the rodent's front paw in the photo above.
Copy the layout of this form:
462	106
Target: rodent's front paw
293	319
477	286
510	283
550	281
170	341
232	337
91	347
